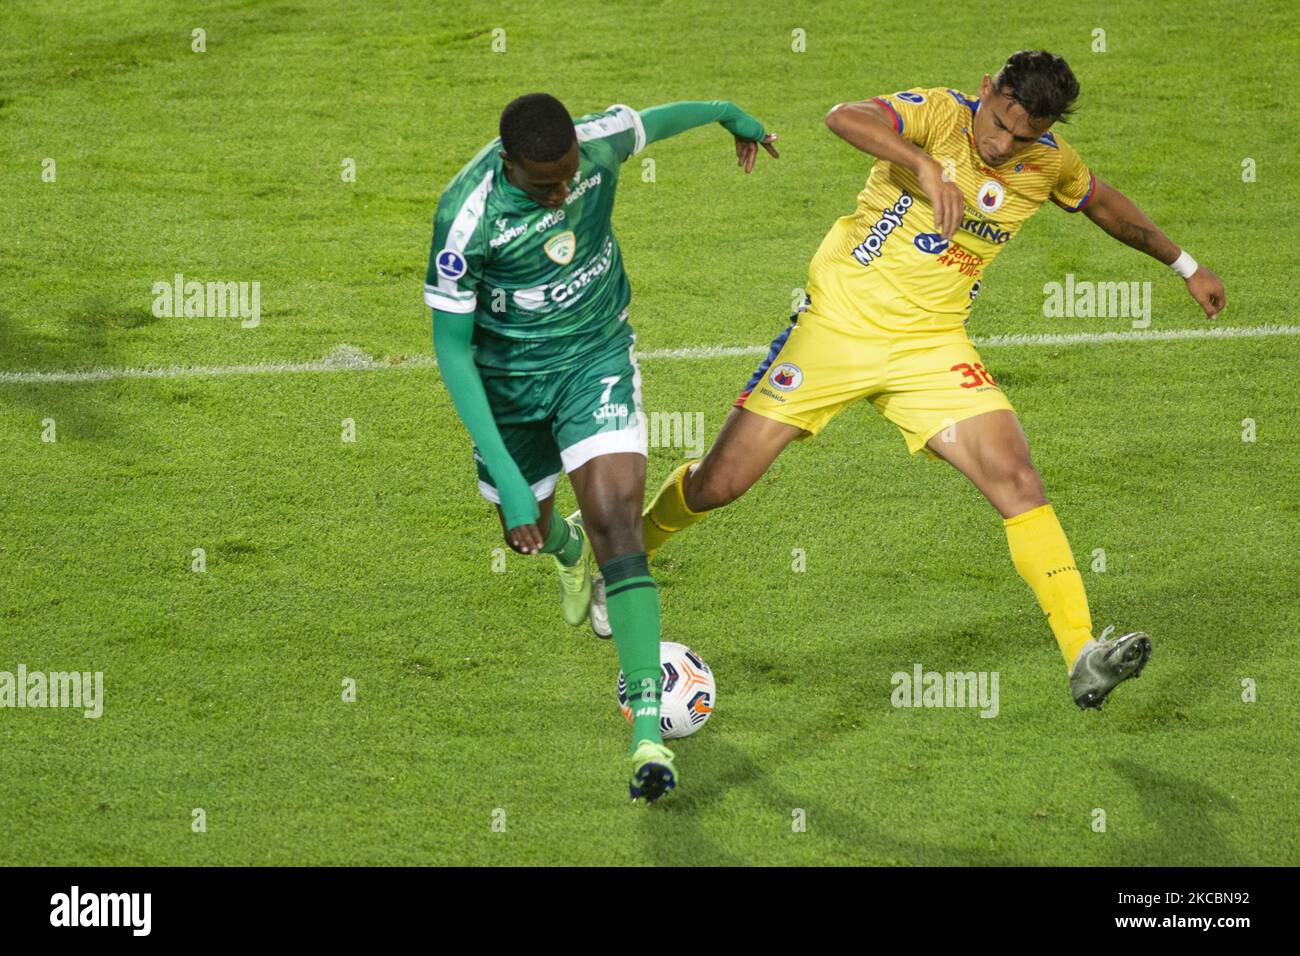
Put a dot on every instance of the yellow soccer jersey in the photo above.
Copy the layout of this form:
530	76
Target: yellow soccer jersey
888	249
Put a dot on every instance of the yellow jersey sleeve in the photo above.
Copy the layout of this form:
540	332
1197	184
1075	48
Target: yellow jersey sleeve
1075	184
917	113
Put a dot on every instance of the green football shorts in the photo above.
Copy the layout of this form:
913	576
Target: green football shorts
561	420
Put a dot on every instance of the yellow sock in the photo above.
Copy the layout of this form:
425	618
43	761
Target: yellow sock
668	513
1042	555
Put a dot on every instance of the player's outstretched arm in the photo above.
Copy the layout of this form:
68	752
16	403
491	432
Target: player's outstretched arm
660	122
1119	216
452	335
866	126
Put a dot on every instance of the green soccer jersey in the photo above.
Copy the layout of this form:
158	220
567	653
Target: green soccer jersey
546	287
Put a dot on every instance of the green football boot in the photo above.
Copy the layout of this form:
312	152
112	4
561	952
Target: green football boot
653	775
575	581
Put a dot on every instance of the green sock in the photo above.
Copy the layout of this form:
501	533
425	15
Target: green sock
633	602
564	540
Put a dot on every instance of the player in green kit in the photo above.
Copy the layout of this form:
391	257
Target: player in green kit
531	331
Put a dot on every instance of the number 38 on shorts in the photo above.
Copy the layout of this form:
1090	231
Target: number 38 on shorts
974	375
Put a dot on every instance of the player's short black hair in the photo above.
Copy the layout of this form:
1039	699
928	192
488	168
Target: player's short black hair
1041	82
537	127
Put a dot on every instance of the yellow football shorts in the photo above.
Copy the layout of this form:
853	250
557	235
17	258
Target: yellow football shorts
922	381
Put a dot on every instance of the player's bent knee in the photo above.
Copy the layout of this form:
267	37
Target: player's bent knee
1025	484
616	531
614	512
616	539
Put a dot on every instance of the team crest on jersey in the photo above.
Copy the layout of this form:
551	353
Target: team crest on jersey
990	196
450	264
560	249
786	377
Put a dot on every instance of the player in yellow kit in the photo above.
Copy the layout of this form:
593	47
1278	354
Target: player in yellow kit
889	293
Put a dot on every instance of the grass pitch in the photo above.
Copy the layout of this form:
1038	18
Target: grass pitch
372	560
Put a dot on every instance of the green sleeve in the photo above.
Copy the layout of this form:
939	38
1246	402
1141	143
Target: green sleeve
452	335
660	122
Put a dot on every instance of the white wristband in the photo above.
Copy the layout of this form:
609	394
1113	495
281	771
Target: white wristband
1184	265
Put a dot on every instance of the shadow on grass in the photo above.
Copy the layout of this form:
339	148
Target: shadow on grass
1184	812
675	836
77	409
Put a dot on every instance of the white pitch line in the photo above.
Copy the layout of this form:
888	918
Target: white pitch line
1035	338
347	358
1137	335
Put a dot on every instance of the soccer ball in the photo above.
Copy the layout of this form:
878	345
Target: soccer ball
689	693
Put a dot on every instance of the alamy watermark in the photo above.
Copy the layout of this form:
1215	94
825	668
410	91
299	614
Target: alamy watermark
1086	299
922	688
130	910
191	299
78	690
684	430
